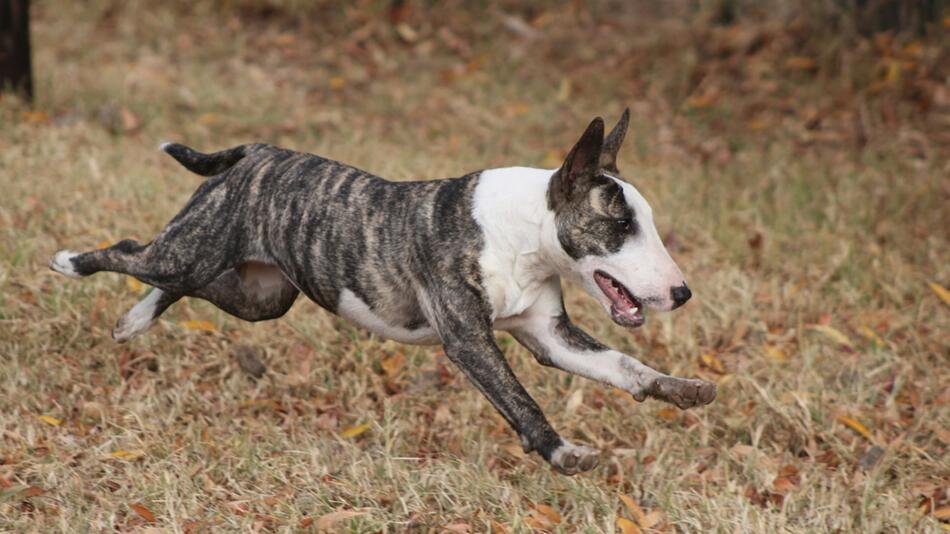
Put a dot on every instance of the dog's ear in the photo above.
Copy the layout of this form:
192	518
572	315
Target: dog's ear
608	157
580	167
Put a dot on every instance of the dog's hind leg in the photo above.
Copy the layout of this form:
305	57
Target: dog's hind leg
143	314
253	291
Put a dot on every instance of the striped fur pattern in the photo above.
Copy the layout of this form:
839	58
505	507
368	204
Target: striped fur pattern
418	262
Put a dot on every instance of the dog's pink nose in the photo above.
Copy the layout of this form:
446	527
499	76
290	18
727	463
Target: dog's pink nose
680	294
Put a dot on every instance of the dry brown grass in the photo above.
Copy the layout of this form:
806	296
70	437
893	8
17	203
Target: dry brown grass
792	233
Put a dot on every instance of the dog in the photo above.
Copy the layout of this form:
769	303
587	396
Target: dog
424	262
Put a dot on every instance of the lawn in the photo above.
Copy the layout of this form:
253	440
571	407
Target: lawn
799	176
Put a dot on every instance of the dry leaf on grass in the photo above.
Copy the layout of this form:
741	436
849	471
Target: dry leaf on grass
775	353
634	508
143	512
326	521
393	364
550	513
627	526
856	425
206	326
712	362
941	292
832	333
354	431
652	519
133	454
133	284
50	420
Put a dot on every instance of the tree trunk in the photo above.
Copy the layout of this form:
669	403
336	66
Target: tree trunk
15	69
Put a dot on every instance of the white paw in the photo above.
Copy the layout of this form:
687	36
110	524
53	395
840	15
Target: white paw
138	319
570	459
62	263
130	325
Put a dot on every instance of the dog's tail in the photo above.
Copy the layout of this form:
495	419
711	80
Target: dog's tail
205	164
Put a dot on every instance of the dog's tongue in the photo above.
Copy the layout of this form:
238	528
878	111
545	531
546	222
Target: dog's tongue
624	308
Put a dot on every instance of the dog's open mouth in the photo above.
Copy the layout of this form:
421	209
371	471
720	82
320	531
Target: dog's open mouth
625	309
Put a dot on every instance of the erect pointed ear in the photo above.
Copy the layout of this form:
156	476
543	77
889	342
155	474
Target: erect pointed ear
608	157
580	167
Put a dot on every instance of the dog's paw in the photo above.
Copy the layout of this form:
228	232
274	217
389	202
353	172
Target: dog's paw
571	459
62	262
131	324
683	392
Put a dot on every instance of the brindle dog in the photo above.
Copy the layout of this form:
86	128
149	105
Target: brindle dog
436	261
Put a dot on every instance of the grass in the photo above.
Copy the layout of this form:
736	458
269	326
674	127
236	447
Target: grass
809	256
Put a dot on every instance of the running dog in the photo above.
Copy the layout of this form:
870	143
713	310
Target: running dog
437	261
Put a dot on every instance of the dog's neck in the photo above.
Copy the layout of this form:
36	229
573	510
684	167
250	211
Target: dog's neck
522	251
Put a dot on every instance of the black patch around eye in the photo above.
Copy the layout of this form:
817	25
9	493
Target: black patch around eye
627	225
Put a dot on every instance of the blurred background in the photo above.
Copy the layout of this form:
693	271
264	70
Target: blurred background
796	157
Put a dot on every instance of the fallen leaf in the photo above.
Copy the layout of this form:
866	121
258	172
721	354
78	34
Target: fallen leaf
393	364
324	522
941	292
652	519
783	485
50	420
305	522
634	508
702	101
127	454
868	333
133	284
406	33
143	512
550	513
32	491
104	244
462	528
354	431
35	117
800	63
207	326
832	333
337	83
669	413
537	522
712	362
627	526
856	425
942	513
775	353
498	528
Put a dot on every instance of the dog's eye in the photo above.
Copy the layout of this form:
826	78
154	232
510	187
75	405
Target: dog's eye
626	225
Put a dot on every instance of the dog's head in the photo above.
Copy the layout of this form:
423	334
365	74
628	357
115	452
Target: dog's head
605	228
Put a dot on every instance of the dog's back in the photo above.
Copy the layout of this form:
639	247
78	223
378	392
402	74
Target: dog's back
349	240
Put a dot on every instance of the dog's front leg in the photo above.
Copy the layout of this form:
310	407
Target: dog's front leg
470	343
549	334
